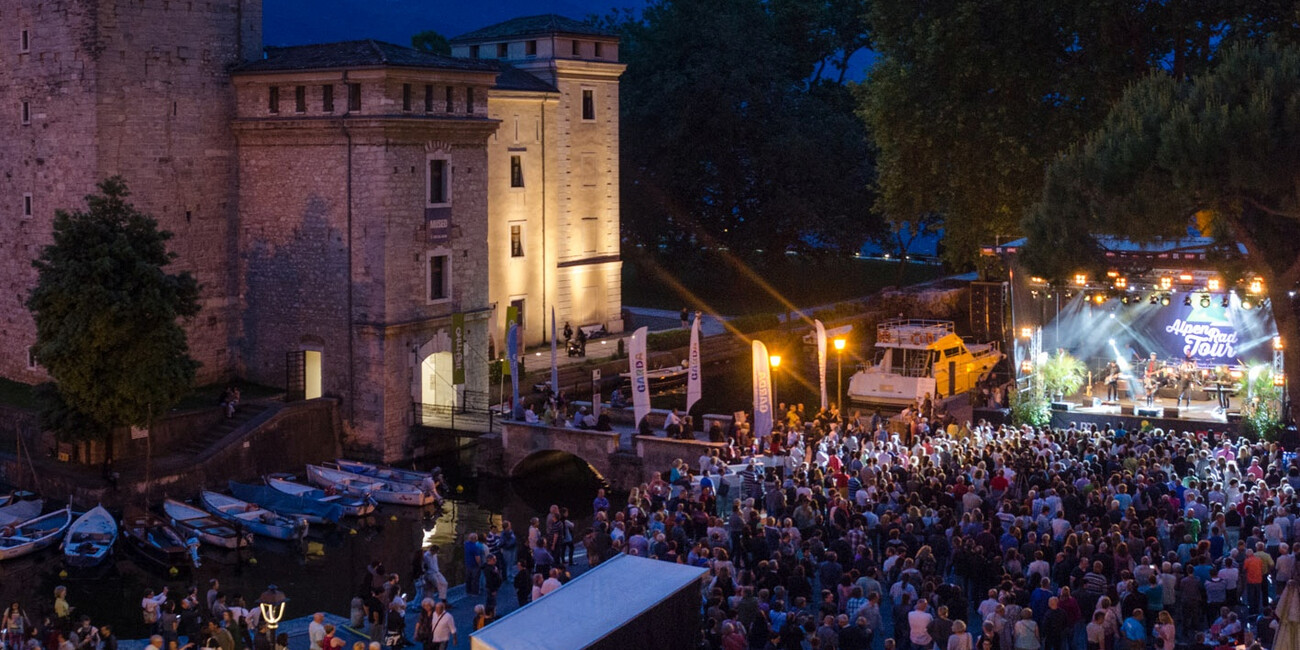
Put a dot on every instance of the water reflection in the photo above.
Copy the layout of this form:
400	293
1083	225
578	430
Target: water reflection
326	570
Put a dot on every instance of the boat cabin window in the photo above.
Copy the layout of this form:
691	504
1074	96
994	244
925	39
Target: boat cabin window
952	352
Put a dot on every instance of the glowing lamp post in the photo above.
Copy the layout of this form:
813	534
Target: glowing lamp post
839	367
271	605
775	362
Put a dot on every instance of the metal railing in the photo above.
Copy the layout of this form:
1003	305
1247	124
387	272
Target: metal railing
457	416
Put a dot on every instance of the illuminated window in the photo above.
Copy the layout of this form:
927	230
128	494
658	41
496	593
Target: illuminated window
516	171
516	240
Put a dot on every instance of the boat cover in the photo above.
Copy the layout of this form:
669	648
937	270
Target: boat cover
285	504
16	513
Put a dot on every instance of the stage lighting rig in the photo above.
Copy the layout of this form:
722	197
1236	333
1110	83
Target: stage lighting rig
1187	300
1205	301
1164	300
1227	300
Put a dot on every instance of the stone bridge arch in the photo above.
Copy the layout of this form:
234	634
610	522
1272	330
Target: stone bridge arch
520	442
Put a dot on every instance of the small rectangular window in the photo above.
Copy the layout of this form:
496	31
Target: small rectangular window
273	100
469	99
530	48
406	97
428	98
473	51
354	97
577	47
590	233
503	50
27	113
451	104
516	171
25	42
300	99
437	181
439	277
327	98
31	359
588	104
517	240
600	51
27	205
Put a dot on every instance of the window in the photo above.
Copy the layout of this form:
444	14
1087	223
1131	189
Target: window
473	51
516	240
27	113
25	42
451	104
428	98
469	99
577	48
589	234
518	304
439	277
406	97
516	171
327	98
27	205
31	359
530	48
354	97
439	182
588	104
273	100
503	50
599	50
300	99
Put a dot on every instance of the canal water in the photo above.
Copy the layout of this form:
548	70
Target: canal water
323	573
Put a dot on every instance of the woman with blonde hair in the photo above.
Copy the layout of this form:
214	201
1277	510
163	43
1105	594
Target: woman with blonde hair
1164	631
960	639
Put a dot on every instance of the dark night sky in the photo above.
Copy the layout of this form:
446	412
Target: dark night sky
294	22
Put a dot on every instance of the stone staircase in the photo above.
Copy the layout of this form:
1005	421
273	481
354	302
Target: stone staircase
201	442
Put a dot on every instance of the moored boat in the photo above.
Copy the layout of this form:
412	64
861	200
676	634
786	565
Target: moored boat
191	520
291	506
253	517
427	481
90	538
380	490
34	535
20	511
353	505
153	539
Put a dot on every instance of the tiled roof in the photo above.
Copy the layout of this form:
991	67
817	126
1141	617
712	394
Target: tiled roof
357	54
530	25
512	78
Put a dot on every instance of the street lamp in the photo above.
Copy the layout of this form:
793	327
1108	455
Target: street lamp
839	367
775	361
271	604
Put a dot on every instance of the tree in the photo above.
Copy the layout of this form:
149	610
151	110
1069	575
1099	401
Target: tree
1220	150
727	140
970	100
432	42
106	318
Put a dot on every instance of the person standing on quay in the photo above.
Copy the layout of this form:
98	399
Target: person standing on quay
475	558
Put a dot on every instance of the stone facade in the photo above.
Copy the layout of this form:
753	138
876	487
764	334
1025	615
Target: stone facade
299	185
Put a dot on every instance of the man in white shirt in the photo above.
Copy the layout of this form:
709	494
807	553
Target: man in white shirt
918	623
443	628
990	605
552	583
316	631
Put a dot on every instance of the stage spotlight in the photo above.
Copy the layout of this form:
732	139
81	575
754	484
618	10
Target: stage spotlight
1187	300
1154	298
1112	314
1164	301
1099	298
1124	299
1205	301
1246	303
1226	301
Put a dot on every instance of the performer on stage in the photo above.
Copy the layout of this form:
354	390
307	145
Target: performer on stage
1223	381
1186	375
1153	366
1149	384
1112	381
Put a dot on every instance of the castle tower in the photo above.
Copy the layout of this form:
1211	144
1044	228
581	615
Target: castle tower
96	88
553	234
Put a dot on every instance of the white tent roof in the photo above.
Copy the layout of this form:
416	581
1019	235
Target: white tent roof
589	607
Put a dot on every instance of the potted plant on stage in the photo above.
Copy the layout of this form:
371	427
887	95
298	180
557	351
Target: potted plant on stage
1062	375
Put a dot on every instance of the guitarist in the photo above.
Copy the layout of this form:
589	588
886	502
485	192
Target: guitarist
1112	381
1186	377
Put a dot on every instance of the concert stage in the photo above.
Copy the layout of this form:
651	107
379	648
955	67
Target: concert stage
1164	413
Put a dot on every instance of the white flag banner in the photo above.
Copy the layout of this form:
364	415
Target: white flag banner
693	372
555	359
762	392
638	365
821	360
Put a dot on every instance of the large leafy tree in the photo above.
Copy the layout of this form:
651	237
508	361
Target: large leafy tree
431	41
970	100
1219	151
106	315
734	132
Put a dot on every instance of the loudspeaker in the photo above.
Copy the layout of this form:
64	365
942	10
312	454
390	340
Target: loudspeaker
1126	409
1172	412
1062	406
1234	417
1149	411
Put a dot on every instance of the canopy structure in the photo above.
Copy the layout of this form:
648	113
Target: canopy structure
625	602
